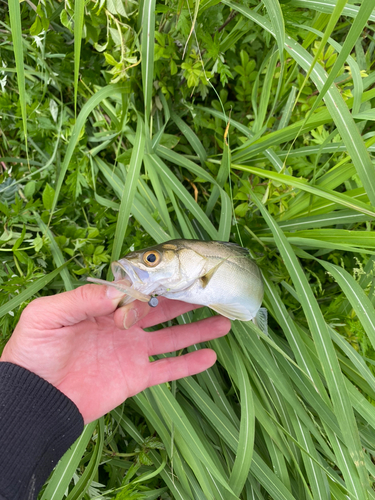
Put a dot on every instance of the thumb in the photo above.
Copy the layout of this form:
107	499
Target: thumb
69	308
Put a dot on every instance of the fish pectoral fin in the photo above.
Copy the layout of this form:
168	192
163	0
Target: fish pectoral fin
261	320
205	279
232	311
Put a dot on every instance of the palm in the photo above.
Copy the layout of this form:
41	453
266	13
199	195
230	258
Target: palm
99	362
95	361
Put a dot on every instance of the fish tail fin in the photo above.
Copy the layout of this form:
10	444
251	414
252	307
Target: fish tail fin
261	320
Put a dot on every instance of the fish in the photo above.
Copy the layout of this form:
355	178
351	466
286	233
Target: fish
216	274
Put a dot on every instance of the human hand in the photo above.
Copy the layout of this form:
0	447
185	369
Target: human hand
77	341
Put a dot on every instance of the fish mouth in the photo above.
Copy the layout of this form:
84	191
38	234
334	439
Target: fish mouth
119	272
123	269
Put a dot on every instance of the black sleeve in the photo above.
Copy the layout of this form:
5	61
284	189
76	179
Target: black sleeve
38	423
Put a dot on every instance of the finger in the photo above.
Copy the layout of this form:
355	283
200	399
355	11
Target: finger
130	314
166	309
181	336
168	369
69	308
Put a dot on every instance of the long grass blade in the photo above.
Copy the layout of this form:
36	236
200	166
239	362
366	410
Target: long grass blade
277	19
337	107
191	136
90	471
129	190
148	30
79	10
221	177
138	209
323	220
317	480
57	253
182	161
328	7
340	4
187	430
327	356
357	297
328	194
359	23
157	186
91	104
245	447
269	153
16	27
184	195
225	223
65	469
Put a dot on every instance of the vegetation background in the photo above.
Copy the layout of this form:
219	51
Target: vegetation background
124	123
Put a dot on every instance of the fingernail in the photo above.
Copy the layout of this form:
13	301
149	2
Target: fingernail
130	319
113	293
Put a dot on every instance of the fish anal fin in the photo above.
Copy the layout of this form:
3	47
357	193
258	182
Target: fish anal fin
232	311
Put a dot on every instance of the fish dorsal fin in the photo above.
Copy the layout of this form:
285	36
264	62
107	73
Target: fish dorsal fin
205	279
261	320
232	311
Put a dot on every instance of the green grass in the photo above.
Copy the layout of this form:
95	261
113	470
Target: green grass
122	126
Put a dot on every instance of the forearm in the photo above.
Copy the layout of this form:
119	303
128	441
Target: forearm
38	424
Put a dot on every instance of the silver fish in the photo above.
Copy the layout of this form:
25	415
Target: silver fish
216	274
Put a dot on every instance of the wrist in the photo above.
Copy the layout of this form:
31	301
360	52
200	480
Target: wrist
39	420
7	356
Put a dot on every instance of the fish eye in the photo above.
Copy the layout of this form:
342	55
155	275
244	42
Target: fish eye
151	258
